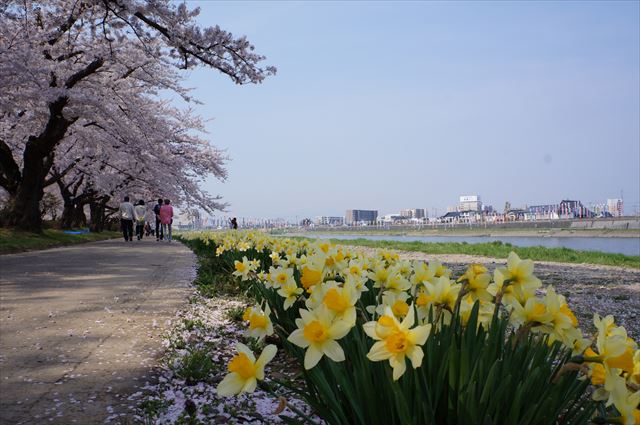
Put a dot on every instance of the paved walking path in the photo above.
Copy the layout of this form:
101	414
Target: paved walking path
80	326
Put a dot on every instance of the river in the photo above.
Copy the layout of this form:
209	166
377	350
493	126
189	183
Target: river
627	246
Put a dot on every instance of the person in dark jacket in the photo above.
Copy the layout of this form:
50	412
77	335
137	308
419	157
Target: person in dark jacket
156	211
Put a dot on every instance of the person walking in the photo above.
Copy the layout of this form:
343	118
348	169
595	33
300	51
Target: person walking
140	211
156	211
166	217
126	219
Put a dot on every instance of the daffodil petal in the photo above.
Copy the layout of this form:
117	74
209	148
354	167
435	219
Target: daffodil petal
231	385
267	355
312	357
379	352
333	350
244	349
297	338
419	334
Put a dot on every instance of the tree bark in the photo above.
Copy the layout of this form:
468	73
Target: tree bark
24	213
97	213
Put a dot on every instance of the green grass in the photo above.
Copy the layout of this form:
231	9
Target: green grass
501	250
16	241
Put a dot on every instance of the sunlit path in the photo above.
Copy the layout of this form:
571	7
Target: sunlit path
80	325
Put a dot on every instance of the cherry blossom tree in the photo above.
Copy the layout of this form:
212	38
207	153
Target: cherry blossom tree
88	72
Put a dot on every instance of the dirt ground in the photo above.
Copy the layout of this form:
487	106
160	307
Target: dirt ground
80	326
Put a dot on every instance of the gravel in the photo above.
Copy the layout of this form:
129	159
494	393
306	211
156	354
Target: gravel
589	288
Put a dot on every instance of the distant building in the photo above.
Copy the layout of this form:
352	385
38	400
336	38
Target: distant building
470	203
354	217
542	212
615	207
574	209
414	213
329	221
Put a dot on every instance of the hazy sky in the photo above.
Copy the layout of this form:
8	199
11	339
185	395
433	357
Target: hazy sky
409	105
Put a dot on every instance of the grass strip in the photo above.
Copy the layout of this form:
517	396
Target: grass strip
12	241
499	249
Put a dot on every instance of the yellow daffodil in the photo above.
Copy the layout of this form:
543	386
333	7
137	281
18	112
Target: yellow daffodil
516	281
341	301
439	270
245	371
443	292
396	282
318	331
379	275
312	273
259	322
243	268
422	273
534	312
281	276
478	279
290	292
397	301
396	341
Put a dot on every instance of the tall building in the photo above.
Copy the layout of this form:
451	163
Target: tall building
419	213
615	207
470	203
352	217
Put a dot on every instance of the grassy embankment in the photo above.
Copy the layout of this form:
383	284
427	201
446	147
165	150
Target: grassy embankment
502	250
15	241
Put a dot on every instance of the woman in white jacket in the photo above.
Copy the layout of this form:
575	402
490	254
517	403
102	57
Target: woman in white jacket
140	212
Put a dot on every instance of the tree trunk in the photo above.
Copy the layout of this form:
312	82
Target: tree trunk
24	213
67	214
97	213
79	217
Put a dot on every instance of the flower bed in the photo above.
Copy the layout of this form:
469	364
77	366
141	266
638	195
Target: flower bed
198	347
381	340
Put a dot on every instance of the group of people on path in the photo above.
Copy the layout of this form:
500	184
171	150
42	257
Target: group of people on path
163	212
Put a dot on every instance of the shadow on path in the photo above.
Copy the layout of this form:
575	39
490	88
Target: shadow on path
80	326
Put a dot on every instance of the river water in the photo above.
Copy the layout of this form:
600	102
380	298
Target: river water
627	246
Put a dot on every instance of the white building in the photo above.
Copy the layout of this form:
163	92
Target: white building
615	207
324	220
470	203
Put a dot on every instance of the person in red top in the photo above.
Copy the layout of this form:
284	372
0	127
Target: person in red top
166	218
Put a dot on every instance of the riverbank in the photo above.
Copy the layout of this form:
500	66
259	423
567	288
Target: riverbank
486	232
13	241
498	249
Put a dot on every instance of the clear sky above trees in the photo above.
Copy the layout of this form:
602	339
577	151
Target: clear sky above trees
400	105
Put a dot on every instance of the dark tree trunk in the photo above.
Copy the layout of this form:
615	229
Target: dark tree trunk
79	217
67	214
97	213
24	213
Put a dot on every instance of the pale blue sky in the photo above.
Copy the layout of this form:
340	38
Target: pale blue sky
391	105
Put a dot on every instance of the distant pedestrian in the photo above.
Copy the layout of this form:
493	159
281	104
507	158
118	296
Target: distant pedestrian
156	210
126	219
234	223
147	229
166	217
140	211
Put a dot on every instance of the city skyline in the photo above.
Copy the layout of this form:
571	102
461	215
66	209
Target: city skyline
520	102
